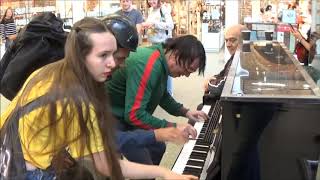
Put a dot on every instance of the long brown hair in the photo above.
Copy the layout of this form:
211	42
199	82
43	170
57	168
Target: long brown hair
158	4
3	18
75	93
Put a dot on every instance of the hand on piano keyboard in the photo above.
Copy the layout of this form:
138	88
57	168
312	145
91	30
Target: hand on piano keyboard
188	131
171	175
197	116
205	85
213	80
179	135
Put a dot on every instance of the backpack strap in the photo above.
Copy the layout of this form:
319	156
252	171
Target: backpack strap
10	140
21	111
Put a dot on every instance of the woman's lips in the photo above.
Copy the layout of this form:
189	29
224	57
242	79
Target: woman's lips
107	74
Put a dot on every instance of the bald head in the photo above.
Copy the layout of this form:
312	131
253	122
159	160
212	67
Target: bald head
232	37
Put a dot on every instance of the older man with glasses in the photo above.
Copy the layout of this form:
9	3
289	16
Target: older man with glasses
232	40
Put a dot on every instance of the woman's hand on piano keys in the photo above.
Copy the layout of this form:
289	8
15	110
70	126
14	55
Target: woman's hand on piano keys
197	116
171	175
177	135
187	131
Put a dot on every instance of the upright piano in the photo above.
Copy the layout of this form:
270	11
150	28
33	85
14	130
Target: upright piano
269	118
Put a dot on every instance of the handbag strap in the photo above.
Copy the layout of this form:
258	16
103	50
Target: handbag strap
164	19
161	13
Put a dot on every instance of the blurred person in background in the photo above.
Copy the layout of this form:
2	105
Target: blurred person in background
157	27
8	29
269	14
303	37
133	14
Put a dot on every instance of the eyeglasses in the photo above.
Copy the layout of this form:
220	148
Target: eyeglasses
231	40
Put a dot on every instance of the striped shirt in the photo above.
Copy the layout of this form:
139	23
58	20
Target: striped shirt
7	29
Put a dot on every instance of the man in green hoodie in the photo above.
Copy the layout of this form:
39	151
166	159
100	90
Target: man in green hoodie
137	88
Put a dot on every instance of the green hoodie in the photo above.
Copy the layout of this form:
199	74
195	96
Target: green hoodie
138	88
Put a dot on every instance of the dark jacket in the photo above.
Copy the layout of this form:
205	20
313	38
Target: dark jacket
41	42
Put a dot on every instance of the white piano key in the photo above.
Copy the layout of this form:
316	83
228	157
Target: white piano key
206	108
186	151
198	127
184	155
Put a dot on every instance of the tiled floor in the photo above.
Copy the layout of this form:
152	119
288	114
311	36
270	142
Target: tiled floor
188	91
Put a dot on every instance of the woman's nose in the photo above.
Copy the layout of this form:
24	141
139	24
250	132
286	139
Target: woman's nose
111	63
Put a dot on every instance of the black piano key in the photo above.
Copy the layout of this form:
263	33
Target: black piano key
202	133
208	139
211	110
199	142
192	171
206	149
195	163
201	136
195	155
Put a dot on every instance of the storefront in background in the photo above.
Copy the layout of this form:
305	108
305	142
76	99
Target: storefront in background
187	14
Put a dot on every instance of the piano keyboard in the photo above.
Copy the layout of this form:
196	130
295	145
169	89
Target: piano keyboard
196	155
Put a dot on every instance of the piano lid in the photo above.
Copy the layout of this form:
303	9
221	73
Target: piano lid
264	75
